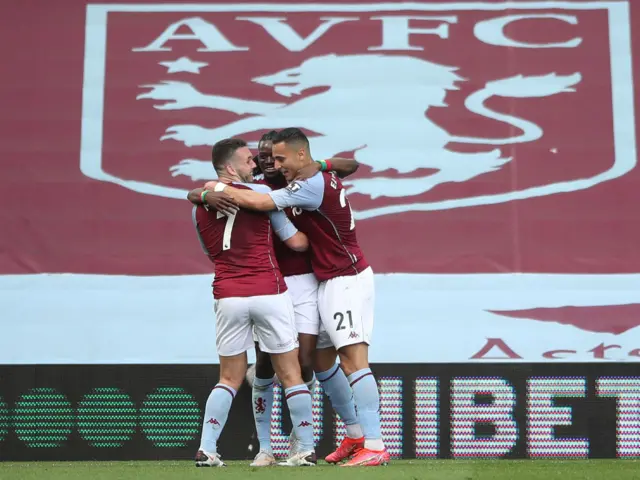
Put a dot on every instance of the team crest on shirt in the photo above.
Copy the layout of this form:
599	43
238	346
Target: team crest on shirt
445	105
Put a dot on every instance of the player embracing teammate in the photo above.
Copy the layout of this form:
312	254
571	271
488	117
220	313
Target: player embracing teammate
316	351
319	208
250	295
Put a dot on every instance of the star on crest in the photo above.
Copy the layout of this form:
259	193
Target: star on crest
183	64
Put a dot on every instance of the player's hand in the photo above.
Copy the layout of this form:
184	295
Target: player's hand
221	202
307	171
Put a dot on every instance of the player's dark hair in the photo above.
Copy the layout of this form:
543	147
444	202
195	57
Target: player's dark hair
291	136
223	150
268	137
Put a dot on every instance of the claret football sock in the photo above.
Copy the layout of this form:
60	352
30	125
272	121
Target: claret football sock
367	400
215	416
337	388
262	405
299	402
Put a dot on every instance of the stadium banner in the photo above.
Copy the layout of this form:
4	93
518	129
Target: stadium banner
427	318
495	199
118	412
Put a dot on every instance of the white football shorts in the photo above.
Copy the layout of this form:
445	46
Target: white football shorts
269	316
304	294
346	307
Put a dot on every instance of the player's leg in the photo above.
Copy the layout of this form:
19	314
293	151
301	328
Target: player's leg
303	290
326	354
306	355
307	345
346	308
336	386
262	396
274	324
264	369
233	339
304	294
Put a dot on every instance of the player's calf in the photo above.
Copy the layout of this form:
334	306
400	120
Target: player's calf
232	370
306	356
264	369
262	403
336	386
298	399
354	361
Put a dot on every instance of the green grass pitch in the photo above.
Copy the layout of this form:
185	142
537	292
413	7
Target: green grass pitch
397	470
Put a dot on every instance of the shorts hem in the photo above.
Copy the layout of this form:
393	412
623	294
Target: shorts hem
354	342
307	330
279	350
236	352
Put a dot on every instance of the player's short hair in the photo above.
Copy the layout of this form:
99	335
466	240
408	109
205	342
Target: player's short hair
268	137
223	150
291	136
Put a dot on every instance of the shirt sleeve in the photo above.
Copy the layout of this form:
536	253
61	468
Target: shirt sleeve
307	194
279	220
282	225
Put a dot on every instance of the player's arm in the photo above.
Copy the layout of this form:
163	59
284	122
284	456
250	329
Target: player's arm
299	242
307	195
288	233
256	198
261	202
219	201
342	166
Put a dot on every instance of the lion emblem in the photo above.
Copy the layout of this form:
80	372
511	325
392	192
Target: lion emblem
364	106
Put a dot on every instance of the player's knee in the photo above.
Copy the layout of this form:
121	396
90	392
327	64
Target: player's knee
289	377
306	360
347	367
353	358
233	370
264	369
232	380
325	359
288	369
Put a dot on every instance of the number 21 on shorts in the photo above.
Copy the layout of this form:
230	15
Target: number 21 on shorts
339	316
